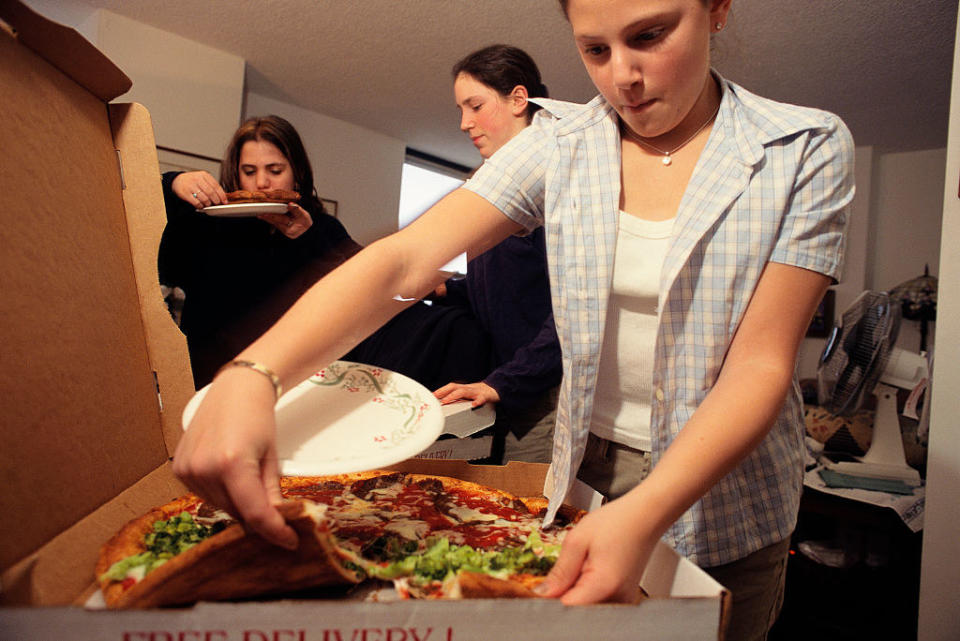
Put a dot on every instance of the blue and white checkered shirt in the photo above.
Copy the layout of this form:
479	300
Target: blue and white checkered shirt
774	183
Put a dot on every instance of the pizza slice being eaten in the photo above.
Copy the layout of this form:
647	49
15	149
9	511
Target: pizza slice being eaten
431	536
265	196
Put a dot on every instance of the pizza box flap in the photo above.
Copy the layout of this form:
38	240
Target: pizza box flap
66	50
516	477
86	337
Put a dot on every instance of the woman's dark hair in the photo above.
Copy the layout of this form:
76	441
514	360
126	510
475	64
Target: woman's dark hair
282	135
563	6
502	67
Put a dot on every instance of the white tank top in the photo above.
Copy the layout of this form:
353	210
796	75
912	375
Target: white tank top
621	410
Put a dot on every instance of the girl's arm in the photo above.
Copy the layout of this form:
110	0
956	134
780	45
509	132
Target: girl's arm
228	455
604	557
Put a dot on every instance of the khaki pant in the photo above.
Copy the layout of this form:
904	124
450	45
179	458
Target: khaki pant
527	434
756	581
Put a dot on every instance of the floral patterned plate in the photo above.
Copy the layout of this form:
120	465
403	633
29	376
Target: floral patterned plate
350	417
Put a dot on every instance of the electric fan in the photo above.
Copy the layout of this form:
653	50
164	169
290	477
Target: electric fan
858	357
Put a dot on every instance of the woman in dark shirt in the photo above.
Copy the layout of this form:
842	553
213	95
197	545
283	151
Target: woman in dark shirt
239	275
507	288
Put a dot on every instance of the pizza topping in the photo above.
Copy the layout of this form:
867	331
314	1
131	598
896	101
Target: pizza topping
470	515
442	559
168	539
363	487
408	528
211	516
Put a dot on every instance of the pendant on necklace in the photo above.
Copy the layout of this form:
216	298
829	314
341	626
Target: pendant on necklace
667	160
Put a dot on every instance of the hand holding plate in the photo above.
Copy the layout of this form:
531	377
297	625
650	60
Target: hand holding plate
292	224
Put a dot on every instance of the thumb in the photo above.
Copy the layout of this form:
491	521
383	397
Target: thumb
565	572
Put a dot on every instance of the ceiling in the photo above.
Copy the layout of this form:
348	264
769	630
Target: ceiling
883	65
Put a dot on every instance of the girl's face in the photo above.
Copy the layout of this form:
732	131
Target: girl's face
487	117
649	58
263	166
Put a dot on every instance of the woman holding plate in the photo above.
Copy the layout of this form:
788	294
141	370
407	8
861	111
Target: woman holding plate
239	274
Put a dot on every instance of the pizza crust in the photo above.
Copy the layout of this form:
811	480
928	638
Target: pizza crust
236	563
476	585
129	541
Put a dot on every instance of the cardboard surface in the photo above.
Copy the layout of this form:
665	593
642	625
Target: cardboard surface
59	46
80	406
145	217
475	620
464	449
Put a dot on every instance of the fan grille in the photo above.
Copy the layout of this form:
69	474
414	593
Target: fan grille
856	352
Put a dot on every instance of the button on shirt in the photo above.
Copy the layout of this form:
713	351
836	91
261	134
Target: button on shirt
773	183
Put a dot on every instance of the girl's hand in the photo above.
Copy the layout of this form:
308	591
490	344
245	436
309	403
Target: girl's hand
602	558
199	188
291	224
479	393
228	455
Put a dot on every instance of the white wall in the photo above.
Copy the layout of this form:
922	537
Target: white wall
907	209
357	167
194	92
940	567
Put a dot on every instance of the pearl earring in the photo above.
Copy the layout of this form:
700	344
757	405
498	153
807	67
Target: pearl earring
718	26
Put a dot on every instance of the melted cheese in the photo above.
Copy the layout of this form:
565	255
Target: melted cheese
408	528
470	515
137	573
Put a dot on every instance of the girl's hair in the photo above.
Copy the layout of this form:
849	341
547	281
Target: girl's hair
282	135
563	6
502	67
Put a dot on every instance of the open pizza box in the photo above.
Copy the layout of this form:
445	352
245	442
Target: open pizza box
95	376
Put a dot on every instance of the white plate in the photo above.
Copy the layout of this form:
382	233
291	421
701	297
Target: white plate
245	209
350	417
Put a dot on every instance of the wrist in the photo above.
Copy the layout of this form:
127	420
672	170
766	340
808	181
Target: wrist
651	512
253	367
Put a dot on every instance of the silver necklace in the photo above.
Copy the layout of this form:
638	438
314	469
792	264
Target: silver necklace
667	160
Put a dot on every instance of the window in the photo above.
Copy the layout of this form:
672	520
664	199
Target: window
425	180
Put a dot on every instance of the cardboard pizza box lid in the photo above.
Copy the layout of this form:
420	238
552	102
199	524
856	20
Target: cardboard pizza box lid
94	371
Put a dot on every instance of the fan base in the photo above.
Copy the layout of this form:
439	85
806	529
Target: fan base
903	473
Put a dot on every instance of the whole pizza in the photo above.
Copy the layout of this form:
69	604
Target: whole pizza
430	536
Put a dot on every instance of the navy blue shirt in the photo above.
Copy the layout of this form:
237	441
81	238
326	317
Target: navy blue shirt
508	290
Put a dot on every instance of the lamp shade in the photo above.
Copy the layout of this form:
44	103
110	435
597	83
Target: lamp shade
918	297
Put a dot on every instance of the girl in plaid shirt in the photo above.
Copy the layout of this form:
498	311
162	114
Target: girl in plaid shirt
758	193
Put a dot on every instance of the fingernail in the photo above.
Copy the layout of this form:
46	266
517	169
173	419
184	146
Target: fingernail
541	589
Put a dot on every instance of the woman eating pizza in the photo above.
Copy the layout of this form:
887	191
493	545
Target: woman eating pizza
758	193
240	274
